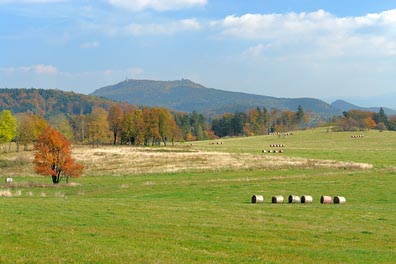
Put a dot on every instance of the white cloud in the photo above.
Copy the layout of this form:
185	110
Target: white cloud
90	45
159	5
40	69
254	51
320	31
45	69
147	29
163	29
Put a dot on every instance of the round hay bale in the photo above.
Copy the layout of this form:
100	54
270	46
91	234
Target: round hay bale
294	199
278	199
339	200
325	199
257	199
306	199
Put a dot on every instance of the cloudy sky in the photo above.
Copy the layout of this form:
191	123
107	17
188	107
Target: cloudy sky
283	48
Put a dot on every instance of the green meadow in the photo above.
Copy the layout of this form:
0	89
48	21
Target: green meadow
206	216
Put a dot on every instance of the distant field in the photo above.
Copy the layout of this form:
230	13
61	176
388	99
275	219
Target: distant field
377	148
191	203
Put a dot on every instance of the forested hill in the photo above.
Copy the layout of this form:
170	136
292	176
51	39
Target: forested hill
187	96
47	102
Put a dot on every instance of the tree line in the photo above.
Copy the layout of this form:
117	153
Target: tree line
121	124
354	120
259	121
129	125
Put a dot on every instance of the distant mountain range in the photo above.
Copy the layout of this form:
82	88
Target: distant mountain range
384	100
187	96
181	95
345	106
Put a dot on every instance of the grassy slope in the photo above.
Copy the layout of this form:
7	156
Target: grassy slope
207	216
375	147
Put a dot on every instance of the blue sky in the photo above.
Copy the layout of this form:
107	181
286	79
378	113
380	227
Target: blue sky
282	48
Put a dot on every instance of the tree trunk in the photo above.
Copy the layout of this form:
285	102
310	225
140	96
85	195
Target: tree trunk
55	179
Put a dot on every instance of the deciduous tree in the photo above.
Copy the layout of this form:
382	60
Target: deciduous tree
61	123
98	126
133	127
29	127
8	126
115	119
164	124
53	157
151	120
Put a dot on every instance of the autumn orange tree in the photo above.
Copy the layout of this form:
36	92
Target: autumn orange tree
53	157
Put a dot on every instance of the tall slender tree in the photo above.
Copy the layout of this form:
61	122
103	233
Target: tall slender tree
98	126
300	116
8	126
115	119
381	117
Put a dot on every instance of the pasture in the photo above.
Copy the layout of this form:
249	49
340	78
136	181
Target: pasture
191	203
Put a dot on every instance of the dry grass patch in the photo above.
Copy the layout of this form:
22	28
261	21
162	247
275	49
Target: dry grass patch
40	185
5	193
128	160
17	164
117	160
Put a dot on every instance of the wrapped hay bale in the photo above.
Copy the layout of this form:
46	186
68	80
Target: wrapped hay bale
306	199
278	199
294	199
325	199
257	199
8	180
339	200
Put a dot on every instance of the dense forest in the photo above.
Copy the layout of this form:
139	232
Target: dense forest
48	102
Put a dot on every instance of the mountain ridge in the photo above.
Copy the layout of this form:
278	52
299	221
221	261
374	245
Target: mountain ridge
183	95
180	95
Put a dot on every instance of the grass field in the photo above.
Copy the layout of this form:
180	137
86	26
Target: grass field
134	205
